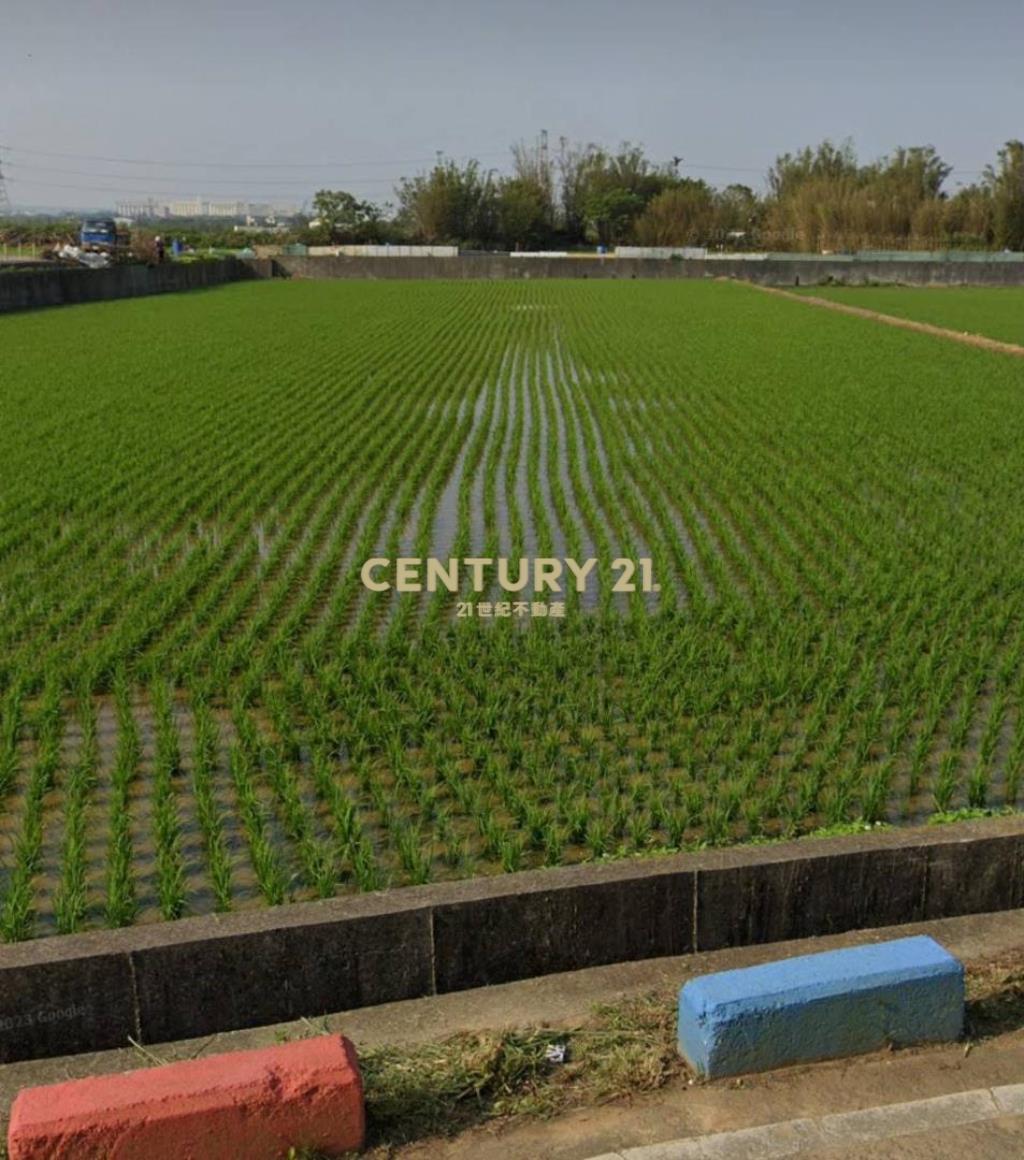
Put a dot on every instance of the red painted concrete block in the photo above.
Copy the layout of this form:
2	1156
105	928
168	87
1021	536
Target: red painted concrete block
252	1104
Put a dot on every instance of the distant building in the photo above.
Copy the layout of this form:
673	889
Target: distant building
200	207
190	208
225	209
134	210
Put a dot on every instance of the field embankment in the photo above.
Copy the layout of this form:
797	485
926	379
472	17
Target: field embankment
971	312
848	305
223	972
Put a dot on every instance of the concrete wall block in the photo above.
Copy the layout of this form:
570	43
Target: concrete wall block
517	936
201	985
65	1005
741	902
971	877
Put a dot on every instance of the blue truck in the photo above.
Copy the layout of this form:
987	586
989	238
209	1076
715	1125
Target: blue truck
102	236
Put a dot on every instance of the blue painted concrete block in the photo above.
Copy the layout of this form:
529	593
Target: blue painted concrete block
822	1006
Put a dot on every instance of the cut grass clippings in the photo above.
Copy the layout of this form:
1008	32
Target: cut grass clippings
444	1088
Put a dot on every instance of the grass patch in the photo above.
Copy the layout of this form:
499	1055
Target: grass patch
444	1088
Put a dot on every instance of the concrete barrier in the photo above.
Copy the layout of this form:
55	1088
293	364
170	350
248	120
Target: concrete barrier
255	1104
821	1006
197	976
28	289
764	270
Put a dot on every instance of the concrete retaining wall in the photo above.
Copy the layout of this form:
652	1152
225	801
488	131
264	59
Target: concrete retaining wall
198	976
859	272
25	289
765	271
475	266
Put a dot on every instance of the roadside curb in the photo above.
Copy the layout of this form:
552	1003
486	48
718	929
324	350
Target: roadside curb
872	1125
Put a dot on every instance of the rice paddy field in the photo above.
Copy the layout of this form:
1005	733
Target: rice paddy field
202	707
993	312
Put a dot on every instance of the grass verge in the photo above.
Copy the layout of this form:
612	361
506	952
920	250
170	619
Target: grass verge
625	1050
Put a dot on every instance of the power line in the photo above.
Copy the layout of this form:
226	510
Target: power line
120	189
26	174
304	182
325	164
435	160
167	163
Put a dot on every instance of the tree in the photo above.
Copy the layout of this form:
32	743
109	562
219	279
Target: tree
602	193
523	213
919	171
610	212
533	168
968	217
575	166
833	162
1005	181
343	217
451	203
824	199
684	215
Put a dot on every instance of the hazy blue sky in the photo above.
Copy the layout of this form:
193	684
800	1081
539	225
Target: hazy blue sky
370	90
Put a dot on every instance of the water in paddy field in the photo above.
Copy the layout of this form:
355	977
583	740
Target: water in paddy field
523	426
442	536
712	751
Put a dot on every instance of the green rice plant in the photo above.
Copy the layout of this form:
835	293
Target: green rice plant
978	781
170	870
70	904
946	783
121	901
415	860
17	915
875	796
208	811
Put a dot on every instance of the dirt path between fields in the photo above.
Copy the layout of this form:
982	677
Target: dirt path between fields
978	340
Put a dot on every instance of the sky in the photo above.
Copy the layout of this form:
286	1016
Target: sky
274	100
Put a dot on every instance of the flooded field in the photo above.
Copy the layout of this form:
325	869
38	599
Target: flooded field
203	706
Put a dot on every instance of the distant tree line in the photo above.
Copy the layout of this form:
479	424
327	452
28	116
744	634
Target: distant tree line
821	198
39	230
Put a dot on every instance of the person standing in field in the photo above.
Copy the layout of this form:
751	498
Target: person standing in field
159	243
